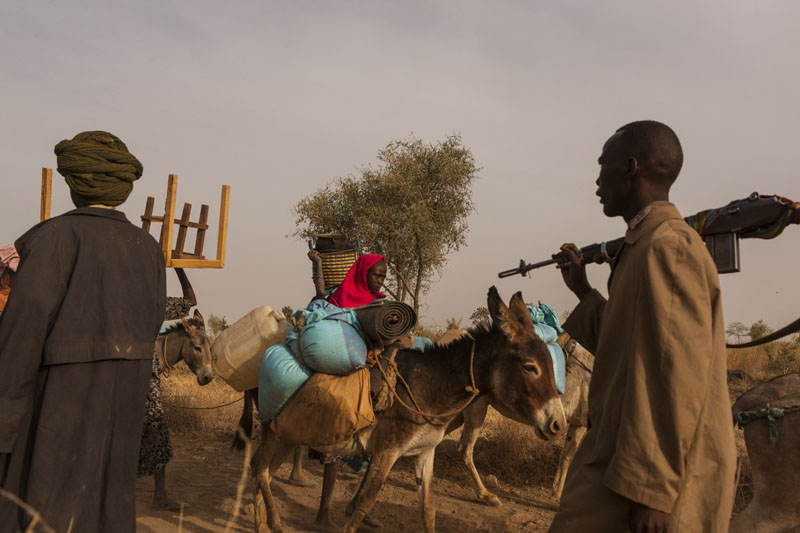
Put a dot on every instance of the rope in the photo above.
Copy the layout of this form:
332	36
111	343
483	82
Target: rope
581	364
569	346
204	408
772	414
472	388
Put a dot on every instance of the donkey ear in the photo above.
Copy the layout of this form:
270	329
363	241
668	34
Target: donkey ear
500	313
186	324
520	310
198	317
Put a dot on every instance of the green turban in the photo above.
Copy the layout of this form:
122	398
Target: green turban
98	167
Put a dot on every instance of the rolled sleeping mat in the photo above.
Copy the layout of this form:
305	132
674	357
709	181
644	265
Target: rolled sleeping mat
386	320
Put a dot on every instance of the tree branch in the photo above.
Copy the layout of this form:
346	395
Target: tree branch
399	276
419	274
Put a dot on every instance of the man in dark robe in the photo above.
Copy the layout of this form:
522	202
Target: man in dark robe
76	347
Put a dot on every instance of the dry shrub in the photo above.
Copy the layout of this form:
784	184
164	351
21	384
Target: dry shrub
182	396
749	360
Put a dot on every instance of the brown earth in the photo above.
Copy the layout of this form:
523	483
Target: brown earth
204	474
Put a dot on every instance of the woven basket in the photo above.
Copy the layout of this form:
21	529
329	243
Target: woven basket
335	266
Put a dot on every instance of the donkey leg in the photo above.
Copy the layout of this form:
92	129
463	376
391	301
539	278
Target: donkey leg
424	466
575	434
245	421
297	477
371	485
474	416
265	458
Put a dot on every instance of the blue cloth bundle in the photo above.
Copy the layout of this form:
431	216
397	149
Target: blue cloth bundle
548	328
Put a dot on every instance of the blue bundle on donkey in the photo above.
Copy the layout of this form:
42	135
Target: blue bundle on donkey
548	328
324	339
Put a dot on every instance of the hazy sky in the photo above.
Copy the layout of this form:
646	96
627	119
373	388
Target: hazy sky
278	98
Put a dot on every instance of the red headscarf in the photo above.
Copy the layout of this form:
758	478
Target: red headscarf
354	291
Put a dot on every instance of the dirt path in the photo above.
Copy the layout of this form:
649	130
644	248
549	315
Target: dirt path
204	474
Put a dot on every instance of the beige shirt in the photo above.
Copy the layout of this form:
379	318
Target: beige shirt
660	421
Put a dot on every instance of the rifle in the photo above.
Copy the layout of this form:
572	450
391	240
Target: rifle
757	216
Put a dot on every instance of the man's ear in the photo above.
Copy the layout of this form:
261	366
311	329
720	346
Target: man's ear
633	166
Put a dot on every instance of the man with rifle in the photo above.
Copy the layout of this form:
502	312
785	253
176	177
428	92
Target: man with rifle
659	455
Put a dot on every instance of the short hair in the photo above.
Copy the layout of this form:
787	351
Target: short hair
655	146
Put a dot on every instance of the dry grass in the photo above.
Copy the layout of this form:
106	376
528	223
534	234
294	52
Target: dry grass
180	391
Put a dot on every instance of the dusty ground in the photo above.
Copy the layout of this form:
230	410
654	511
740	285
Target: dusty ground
204	474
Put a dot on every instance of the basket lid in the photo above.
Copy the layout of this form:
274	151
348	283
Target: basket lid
332	242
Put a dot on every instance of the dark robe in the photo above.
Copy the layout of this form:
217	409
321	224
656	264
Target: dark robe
76	347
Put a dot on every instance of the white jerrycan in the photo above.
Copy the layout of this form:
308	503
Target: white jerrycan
237	351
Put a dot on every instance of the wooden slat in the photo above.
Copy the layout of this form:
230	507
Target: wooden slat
191	225
194	263
47	193
186	255
182	227
200	240
222	236
147	218
169	214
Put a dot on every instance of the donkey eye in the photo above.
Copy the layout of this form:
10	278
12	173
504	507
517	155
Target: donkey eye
530	367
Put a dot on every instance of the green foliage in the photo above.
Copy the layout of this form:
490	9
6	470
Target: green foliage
480	316
287	311
412	208
759	330
217	325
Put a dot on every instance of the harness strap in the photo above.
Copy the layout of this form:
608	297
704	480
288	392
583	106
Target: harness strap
472	388
298	327
166	368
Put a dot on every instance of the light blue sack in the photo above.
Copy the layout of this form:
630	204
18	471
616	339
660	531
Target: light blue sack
279	377
548	328
331	340
332	347
422	343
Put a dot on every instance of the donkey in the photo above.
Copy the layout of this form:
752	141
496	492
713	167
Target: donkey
186	340
507	363
576	409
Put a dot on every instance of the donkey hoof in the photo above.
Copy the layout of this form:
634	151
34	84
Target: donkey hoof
492	501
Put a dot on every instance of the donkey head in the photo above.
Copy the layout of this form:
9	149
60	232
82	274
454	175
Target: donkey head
196	350
522	378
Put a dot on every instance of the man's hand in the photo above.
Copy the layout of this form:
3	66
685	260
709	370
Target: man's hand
573	272
646	520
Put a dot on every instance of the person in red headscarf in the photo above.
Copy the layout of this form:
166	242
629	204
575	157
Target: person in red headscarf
362	282
361	286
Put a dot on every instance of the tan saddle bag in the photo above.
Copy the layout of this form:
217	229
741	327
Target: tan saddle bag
327	410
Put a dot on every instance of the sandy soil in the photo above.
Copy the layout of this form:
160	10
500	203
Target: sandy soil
204	475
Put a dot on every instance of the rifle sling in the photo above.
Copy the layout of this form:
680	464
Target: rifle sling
786	330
